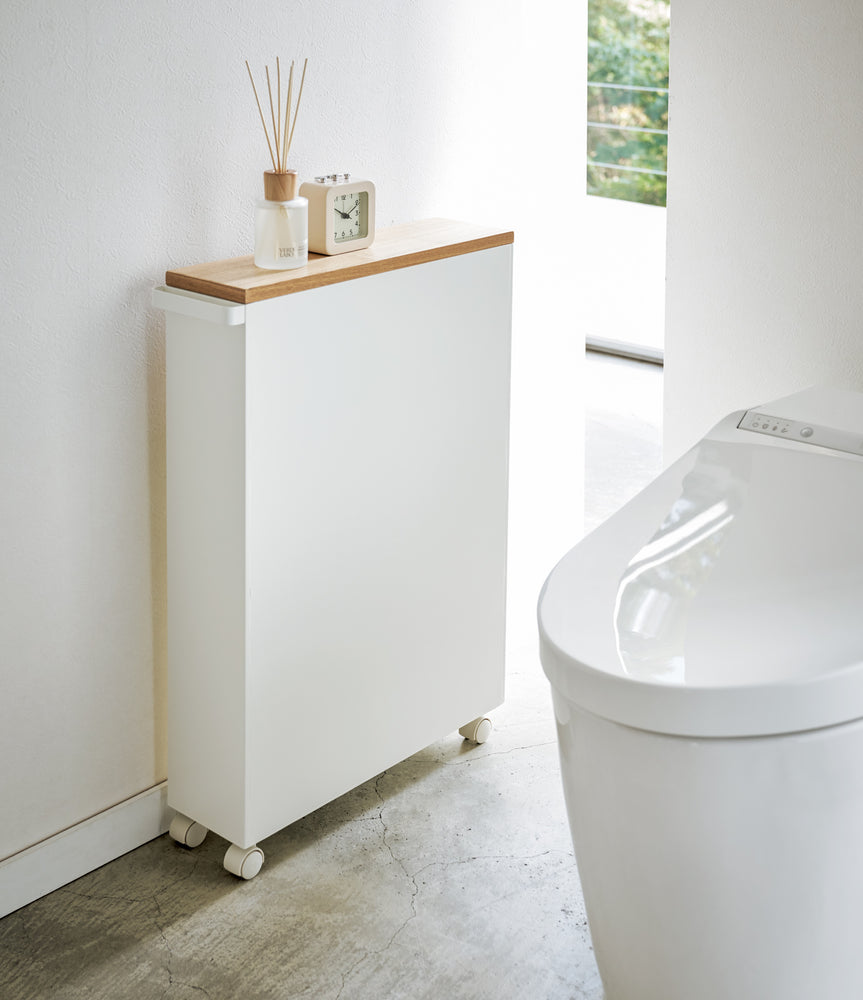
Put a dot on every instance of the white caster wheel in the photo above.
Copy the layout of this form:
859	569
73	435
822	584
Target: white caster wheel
244	862
186	831
477	731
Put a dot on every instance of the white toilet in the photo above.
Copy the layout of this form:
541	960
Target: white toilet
705	651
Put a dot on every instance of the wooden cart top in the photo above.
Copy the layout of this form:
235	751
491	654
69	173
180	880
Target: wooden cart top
238	280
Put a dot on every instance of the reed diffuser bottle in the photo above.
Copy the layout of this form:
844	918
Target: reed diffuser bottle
281	223
281	216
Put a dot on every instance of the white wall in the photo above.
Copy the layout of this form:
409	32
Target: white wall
624	295
765	252
130	144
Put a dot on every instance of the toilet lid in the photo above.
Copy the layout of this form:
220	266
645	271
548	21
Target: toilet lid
726	599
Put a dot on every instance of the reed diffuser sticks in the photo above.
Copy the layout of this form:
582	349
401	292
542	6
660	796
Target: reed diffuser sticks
282	135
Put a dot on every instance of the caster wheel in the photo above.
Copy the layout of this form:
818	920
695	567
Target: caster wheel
244	862
186	831
477	731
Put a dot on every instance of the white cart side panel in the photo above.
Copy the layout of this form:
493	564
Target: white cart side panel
378	414
206	571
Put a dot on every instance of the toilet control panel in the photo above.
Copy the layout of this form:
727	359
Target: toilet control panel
797	430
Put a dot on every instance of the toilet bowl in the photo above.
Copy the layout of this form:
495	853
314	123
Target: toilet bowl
705	652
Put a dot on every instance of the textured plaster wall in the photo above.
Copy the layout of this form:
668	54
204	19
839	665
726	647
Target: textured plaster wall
765	246
131	144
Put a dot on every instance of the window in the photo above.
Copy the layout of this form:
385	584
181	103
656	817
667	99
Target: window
627	99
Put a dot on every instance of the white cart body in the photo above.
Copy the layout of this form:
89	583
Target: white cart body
337	514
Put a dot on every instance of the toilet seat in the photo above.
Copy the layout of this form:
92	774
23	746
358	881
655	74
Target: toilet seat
725	600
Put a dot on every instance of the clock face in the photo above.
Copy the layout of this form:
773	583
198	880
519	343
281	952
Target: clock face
350	216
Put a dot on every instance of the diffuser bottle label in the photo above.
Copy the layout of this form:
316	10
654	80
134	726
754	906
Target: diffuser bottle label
292	252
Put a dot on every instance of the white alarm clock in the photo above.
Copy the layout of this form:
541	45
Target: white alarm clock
341	213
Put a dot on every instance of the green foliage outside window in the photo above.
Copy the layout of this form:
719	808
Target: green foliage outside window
627	99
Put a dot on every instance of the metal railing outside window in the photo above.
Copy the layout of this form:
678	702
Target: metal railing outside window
627	100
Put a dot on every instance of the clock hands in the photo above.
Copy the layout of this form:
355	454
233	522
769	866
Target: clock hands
347	215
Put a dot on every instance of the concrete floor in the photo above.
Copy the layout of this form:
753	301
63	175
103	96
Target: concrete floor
448	876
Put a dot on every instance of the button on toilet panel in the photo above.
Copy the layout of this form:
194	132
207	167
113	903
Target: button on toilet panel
761	422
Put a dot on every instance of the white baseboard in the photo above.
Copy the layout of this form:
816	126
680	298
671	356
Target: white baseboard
44	867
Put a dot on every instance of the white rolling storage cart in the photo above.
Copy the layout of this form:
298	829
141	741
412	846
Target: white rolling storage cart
337	442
